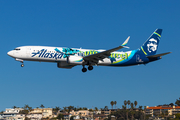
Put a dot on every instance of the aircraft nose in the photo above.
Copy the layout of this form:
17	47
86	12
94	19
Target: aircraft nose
10	53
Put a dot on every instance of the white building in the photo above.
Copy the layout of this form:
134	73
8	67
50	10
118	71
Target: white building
12	114
35	116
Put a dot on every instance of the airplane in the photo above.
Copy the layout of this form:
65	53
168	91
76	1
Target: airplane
69	57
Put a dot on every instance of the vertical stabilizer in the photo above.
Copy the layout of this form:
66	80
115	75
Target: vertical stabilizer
151	45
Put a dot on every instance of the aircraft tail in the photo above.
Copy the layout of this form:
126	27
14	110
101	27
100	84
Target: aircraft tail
151	45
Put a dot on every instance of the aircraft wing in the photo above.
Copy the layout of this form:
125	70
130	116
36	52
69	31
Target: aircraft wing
105	54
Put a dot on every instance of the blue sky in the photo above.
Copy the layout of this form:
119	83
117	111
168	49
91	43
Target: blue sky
101	24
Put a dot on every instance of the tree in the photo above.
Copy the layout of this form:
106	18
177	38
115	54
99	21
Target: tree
41	106
177	116
90	110
177	102
70	108
171	104
140	108
14	107
132	112
144	112
64	109
84	108
56	109
112	103
106	108
26	106
135	103
128	102
72	117
60	116
125	103
96	109
115	104
132	106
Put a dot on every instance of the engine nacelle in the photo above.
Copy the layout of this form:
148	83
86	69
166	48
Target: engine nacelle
75	60
64	64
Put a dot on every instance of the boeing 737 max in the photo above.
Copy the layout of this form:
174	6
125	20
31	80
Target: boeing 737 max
70	57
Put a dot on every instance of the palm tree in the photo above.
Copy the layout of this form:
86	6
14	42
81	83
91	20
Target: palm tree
141	112
65	109
26	109
132	106
26	106
132	114
144	112
125	103
112	103
57	109
96	109
135	103
128	102
41	106
115	103
14	107
106	108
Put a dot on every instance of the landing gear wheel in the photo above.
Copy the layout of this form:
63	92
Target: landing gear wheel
84	70
90	68
22	65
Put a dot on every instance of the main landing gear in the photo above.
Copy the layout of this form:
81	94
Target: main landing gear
85	69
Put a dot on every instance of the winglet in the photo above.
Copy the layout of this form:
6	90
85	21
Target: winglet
125	42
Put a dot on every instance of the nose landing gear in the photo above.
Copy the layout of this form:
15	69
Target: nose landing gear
22	65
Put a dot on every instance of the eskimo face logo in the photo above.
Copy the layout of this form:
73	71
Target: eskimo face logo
152	45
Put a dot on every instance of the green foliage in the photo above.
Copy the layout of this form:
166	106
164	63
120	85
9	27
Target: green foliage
84	108
178	116
24	112
91	110
27	118
132	106
60	116
128	102
106	108
56	109
96	109
122	114
112	103
41	106
72	118
135	103
177	102
125	103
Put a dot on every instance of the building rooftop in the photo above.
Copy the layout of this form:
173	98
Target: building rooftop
163	107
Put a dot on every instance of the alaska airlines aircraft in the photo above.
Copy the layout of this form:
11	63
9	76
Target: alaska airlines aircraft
70	57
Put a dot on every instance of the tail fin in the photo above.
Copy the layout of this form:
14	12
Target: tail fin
151	45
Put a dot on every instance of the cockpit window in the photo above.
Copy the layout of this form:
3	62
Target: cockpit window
17	49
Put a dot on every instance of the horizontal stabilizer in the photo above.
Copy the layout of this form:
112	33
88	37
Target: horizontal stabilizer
158	55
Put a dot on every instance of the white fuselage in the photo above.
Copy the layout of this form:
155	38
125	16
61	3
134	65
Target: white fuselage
50	54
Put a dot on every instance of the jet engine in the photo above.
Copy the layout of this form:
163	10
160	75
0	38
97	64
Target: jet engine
75	60
64	64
